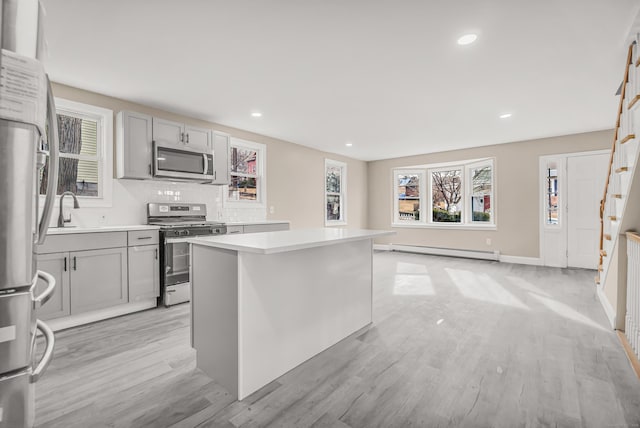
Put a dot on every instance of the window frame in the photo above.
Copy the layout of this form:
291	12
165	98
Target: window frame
343	192
426	198
260	175
396	204
463	174
469	192
104	151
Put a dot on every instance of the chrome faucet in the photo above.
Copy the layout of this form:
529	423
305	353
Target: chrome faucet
76	205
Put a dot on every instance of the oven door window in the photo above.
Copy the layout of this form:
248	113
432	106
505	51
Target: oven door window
176	263
180	161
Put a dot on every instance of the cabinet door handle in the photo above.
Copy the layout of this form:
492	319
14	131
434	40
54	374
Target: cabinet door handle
156	254
75	263
187	138
145	237
149	169
65	263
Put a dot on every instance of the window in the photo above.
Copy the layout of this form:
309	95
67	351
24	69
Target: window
551	194
247	160
458	195
335	174
446	196
481	188
409	185
85	136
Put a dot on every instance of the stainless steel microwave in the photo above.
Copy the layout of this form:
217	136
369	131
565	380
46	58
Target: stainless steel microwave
177	162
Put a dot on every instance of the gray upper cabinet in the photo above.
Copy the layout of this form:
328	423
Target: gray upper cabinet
166	131
133	145
197	137
221	147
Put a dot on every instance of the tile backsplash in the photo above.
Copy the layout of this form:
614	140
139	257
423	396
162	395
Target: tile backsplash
131	196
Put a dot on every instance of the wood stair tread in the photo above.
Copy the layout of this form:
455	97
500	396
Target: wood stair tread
634	101
607	237
622	169
613	218
617	195
603	253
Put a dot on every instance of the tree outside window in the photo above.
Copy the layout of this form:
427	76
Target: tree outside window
446	196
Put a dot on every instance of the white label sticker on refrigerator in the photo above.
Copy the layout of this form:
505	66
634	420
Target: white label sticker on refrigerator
7	334
23	89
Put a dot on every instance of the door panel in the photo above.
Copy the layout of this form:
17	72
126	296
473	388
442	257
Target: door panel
199	138
98	279
59	305
167	131
144	273
586	178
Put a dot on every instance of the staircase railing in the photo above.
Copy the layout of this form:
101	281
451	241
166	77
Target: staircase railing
621	107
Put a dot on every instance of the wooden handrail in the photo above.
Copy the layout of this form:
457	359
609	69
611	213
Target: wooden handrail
633	236
625	80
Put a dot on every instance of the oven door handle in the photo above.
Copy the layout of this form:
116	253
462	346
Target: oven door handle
176	240
206	164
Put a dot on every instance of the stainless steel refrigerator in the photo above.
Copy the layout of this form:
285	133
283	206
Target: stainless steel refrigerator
28	138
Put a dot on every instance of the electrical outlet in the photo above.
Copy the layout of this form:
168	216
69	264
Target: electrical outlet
488	241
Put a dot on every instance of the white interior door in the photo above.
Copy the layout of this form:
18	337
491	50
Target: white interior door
586	177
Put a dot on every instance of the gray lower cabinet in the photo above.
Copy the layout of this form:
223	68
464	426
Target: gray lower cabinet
85	281
144	272
59	305
98	279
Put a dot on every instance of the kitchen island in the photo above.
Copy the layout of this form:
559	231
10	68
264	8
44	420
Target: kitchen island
266	302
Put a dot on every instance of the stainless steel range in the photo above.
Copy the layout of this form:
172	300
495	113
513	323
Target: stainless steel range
177	222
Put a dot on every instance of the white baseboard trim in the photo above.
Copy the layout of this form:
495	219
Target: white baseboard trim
606	305
101	314
472	254
534	261
469	254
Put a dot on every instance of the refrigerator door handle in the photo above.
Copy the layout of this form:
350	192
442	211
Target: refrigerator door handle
44	297
52	177
48	352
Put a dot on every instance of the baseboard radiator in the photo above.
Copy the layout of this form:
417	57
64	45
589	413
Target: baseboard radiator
453	252
632	318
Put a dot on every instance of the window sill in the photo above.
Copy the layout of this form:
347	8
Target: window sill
446	226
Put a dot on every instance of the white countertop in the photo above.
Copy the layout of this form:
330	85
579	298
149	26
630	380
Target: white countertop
93	229
249	223
286	240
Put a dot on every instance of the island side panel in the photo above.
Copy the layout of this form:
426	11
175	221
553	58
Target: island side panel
214	315
294	305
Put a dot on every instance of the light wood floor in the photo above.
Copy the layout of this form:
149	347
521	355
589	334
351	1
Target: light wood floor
454	343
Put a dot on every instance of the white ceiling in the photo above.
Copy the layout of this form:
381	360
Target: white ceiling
386	75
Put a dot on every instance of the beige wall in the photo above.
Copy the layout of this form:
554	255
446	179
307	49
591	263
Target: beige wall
295	174
518	201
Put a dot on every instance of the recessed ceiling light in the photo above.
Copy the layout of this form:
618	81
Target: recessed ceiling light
348	144
256	114
505	115
467	39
